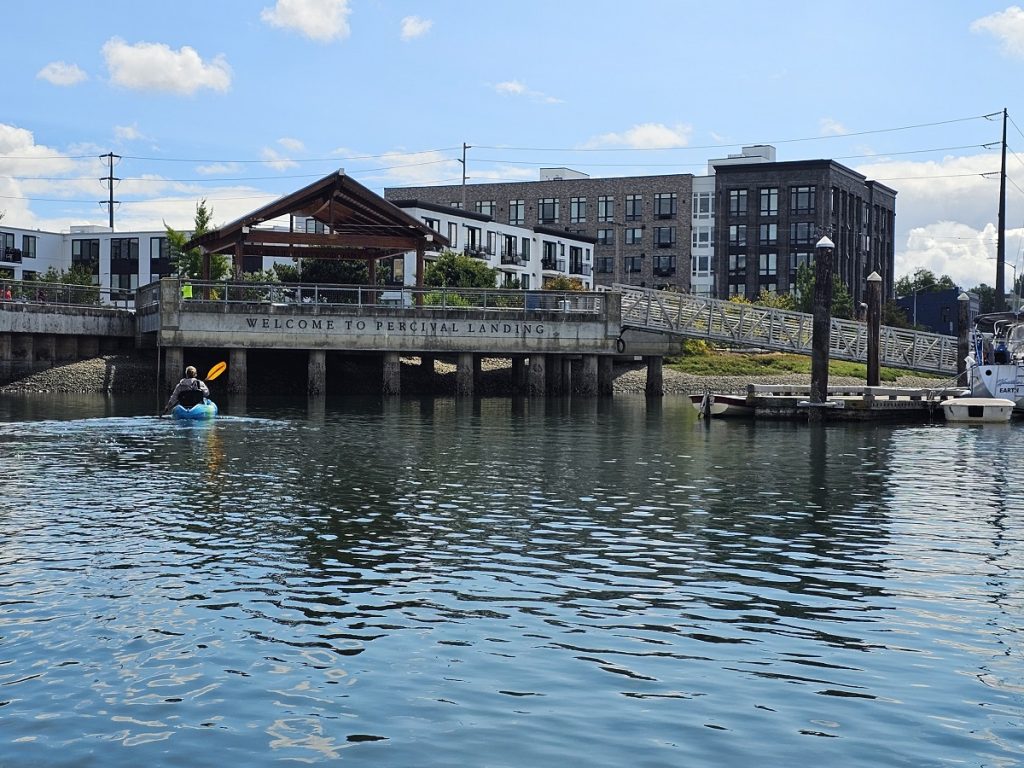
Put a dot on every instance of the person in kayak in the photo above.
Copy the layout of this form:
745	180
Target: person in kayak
190	391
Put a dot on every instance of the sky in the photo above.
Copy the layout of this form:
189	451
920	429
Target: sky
240	101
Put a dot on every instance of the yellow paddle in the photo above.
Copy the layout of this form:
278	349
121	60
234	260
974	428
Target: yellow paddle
217	370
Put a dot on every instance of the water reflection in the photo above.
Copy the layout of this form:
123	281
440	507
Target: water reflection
426	581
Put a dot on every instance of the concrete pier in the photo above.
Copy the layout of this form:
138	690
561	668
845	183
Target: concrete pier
317	374
391	383
464	374
655	378
174	367
587	386
537	376
238	371
605	375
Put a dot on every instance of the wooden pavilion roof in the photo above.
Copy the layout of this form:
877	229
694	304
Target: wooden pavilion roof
359	225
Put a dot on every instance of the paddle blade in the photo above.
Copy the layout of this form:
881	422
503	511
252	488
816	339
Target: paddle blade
217	370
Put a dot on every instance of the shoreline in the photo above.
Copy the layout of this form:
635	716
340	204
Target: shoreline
129	373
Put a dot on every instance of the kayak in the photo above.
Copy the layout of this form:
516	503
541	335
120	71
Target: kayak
204	410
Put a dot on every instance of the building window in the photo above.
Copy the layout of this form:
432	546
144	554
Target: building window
634	235
86	254
575	260
486	207
124	248
703	205
700	266
768	234
434	224
121	285
160	258
549	255
577	210
803	233
517	212
547	210
455	204
606	208
314	227
767	264
770	201
665	205
802	200
703	237
8	252
664	237
525	253
737	202
605	237
634	207
604	265
737	264
28	246
799	259
472	240
453	234
633	264
492	243
664	265
737	234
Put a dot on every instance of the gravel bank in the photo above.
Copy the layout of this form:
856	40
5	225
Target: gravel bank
124	373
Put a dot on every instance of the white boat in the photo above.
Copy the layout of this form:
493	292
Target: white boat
996	362
722	405
978	410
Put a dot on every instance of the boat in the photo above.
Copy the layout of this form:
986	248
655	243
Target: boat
996	362
978	410
731	406
204	410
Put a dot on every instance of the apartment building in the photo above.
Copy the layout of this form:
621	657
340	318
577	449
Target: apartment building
640	226
525	257
770	216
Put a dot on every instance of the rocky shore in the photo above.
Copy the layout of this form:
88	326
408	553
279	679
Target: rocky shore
125	373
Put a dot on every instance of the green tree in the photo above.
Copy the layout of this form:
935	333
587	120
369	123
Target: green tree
563	283
776	300
894	315
842	301
455	270
986	298
923	281
189	263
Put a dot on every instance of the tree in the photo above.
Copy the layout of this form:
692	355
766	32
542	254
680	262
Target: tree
986	298
563	283
842	301
775	300
923	281
455	270
189	264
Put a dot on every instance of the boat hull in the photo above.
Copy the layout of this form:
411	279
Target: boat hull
978	410
1004	381
724	406
204	410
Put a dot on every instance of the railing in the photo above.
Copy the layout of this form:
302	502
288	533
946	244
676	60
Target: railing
776	329
65	294
353	297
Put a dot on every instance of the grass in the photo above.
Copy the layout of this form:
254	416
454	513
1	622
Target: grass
709	363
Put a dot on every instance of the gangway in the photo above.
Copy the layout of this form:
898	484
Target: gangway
780	330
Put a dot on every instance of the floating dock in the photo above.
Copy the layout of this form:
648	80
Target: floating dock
856	403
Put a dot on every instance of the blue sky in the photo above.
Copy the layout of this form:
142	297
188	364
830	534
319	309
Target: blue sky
239	102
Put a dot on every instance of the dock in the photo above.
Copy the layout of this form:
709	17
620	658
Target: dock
856	403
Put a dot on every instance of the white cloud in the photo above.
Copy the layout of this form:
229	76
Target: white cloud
829	127
127	132
644	136
1007	27
218	168
62	73
321	20
292	145
414	26
945	215
276	160
156	67
516	88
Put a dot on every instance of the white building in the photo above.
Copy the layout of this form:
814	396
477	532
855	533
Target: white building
524	256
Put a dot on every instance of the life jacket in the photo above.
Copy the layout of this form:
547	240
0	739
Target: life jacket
191	397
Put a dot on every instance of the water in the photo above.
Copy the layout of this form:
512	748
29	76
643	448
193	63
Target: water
505	583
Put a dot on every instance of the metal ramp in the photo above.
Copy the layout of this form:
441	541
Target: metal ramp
779	330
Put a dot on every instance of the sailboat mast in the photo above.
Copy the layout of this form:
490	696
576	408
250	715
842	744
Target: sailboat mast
1000	303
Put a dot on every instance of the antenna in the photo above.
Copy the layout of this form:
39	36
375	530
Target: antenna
110	179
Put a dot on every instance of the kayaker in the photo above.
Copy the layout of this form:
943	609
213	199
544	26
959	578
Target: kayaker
190	391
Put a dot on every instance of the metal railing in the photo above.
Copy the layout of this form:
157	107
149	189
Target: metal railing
65	294
781	330
321	296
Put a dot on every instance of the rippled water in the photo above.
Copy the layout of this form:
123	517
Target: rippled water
505	583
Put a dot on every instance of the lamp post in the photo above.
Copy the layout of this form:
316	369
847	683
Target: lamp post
821	326
963	347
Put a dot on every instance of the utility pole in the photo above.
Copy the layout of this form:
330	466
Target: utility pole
110	179
466	146
1001	242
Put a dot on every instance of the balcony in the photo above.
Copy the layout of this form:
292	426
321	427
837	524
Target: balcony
664	271
513	259
553	265
12	255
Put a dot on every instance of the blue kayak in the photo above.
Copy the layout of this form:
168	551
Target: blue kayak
204	410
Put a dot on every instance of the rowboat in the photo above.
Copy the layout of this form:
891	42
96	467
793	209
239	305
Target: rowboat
725	406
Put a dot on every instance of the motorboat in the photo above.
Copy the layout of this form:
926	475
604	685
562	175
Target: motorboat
996	361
